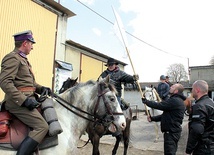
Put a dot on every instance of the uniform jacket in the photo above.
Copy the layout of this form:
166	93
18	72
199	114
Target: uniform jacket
201	127
16	72
173	113
117	77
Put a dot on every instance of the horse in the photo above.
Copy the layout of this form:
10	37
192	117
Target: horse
68	84
188	104
86	102
96	131
152	95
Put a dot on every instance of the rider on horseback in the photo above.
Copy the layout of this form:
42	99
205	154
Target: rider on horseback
118	77
18	82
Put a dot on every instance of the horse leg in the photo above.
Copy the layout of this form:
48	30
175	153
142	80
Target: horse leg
126	135
95	142
118	139
156	128
95	139
156	131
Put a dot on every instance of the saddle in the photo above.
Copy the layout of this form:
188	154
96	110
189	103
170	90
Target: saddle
13	132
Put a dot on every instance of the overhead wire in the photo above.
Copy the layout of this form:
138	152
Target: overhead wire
130	33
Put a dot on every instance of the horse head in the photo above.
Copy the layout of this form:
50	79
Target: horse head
107	107
151	94
99	100
68	84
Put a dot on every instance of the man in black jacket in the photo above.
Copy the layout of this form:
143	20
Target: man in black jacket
163	88
201	122
171	118
117	78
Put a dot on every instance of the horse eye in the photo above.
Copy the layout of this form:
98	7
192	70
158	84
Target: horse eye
112	99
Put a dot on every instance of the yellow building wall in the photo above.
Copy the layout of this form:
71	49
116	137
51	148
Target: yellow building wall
72	56
90	68
21	15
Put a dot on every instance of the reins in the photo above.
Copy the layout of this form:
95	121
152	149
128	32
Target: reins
94	116
61	101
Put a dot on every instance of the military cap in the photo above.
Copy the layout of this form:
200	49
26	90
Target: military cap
25	35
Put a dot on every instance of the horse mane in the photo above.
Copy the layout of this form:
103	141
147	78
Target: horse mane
112	87
74	93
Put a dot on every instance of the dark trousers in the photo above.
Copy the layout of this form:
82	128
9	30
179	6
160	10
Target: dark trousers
171	142
204	149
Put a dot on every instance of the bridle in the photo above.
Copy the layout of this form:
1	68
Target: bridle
104	120
108	118
151	96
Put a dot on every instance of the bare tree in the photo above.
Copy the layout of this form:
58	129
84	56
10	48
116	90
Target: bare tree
212	60
177	73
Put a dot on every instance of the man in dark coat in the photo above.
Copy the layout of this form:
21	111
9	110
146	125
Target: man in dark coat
168	82
117	77
163	88
18	83
171	118
201	122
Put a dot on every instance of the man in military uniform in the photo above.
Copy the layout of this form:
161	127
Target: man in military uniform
19	85
201	122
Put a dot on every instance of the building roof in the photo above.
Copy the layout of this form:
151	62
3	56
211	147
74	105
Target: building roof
55	6
202	67
79	46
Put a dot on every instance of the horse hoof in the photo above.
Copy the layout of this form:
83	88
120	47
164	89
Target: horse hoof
155	141
134	118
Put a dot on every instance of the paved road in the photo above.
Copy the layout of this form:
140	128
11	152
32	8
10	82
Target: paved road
143	137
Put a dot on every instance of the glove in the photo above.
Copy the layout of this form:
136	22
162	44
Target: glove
144	100
30	103
48	90
136	77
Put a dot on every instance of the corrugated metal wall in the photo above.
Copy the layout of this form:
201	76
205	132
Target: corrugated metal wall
21	15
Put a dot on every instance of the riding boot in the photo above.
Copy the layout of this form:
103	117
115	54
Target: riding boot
27	146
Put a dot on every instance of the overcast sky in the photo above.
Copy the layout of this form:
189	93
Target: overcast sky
165	32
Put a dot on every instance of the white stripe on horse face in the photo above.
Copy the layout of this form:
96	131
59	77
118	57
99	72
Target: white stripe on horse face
121	118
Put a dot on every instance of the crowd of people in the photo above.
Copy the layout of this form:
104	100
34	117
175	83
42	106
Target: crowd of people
18	82
201	119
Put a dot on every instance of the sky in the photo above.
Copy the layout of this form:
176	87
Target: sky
160	32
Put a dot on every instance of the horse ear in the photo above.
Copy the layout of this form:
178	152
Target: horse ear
99	79
107	79
76	79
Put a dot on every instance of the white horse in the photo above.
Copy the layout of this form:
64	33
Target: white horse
96	98
152	95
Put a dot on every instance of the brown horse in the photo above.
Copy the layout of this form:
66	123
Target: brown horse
97	130
68	84
188	103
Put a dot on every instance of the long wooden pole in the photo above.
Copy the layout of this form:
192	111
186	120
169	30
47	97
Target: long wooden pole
130	61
